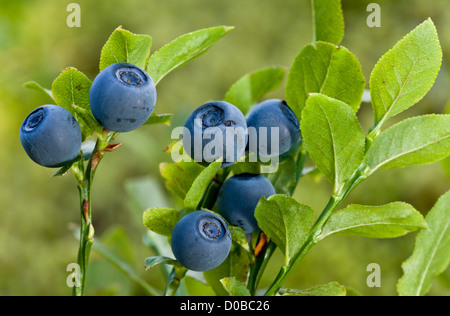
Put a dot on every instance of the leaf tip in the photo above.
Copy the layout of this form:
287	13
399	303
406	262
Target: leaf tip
228	28
69	69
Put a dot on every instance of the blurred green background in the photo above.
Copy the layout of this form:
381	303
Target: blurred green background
39	213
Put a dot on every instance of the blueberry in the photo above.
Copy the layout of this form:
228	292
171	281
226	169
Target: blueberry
201	241
51	136
239	196
273	113
208	129
122	97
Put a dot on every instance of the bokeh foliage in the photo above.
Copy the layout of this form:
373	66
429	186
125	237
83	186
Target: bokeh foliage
39	213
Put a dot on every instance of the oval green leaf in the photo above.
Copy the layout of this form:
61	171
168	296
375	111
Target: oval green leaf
46	93
403	76
71	91
386	221
161	220
333	138
327	69
234	287
285	221
330	289
125	47
249	89
200	184
182	50
418	140
179	176
328	21
431	255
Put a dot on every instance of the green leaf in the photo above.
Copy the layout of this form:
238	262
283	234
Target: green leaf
64	169
200	184
125	47
71	91
328	21
284	179
289	171
182	50
333	138
431	255
239	237
72	87
244	165
180	176
235	287
161	220
151	262
235	265
249	89
386	221
159	119
405	73
330	289
45	92
445	163
418	140
285	221
327	69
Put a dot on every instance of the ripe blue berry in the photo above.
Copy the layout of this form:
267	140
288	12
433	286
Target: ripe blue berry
201	241
215	130
51	136
122	97
274	113
239	196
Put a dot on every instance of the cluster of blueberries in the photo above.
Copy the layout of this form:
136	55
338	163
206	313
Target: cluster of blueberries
122	98
219	129
201	240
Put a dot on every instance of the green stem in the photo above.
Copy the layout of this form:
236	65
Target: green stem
86	235
374	131
313	236
174	281
257	269
85	177
209	199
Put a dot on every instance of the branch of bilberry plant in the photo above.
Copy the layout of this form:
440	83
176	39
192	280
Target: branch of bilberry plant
358	176
258	268
85	177
174	281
